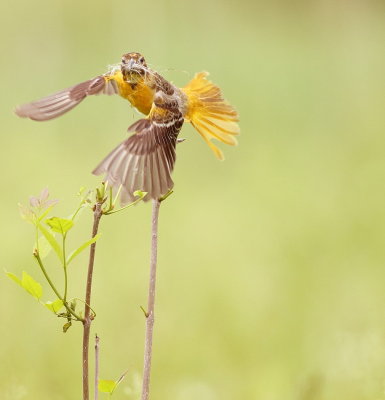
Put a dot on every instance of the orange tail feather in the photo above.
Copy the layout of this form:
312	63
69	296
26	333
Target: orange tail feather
211	115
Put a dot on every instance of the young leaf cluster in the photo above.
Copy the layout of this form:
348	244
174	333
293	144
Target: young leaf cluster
52	234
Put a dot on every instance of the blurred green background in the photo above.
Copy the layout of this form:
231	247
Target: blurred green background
271	264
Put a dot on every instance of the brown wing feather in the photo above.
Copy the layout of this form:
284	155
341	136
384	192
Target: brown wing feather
146	159
59	103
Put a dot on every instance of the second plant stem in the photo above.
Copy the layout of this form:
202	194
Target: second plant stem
151	302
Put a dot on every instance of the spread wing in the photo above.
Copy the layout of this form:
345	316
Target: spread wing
146	159
59	103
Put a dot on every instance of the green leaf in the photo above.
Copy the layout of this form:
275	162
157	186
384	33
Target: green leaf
44	247
14	278
82	247
54	306
28	283
106	386
31	286
51	240
140	193
60	225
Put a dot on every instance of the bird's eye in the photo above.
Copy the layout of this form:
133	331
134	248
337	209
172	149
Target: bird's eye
141	59
123	61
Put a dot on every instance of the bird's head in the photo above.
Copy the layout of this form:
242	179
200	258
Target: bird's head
133	65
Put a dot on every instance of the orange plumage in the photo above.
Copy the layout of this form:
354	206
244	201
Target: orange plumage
211	115
146	159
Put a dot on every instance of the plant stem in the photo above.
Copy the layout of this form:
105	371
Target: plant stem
151	302
87	320
96	366
65	269
111	211
40	262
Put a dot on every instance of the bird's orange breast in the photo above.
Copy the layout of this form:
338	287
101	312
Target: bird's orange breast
139	94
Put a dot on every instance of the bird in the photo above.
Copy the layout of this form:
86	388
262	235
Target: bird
146	159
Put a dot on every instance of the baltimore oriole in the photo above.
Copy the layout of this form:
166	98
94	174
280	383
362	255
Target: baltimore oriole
146	159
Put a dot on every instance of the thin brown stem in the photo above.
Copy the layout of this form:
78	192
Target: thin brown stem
97	348
151	302
87	310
